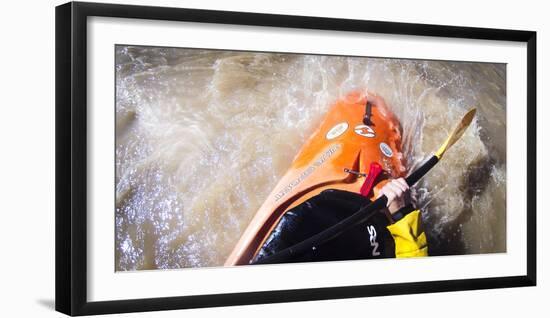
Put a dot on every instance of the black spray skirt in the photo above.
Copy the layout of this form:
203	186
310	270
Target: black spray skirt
369	240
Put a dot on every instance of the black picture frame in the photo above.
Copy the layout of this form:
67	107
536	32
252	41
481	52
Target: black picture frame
71	157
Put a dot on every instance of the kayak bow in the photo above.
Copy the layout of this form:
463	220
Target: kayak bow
358	130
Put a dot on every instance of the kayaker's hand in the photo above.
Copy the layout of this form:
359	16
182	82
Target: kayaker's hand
396	191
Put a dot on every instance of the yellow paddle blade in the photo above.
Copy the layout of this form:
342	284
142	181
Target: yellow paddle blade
457	132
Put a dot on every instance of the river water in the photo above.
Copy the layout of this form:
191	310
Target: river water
202	137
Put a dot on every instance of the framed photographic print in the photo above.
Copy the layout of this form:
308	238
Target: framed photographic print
211	158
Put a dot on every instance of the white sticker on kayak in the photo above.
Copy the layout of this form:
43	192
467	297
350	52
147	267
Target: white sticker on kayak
337	130
386	150
364	130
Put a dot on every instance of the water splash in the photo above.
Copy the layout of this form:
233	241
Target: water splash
202	136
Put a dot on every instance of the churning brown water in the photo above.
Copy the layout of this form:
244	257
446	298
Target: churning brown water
202	137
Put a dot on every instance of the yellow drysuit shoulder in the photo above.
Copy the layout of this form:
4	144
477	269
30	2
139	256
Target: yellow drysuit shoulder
409	237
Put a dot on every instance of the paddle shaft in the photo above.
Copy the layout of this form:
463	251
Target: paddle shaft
358	217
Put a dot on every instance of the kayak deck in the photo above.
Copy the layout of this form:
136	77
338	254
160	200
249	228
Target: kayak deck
342	143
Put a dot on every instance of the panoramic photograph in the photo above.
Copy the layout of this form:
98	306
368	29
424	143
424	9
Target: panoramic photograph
231	158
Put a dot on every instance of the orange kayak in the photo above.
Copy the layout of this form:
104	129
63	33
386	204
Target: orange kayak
358	130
